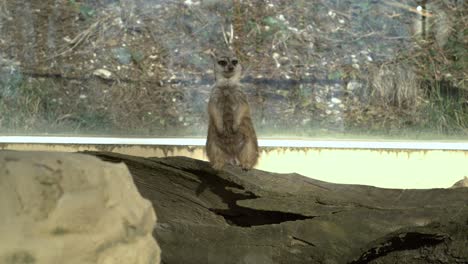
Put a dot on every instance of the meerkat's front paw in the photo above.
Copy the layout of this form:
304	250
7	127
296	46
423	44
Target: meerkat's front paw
235	127
220	128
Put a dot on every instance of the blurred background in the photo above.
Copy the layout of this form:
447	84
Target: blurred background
360	69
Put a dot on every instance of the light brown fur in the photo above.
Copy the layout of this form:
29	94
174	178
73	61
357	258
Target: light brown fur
231	134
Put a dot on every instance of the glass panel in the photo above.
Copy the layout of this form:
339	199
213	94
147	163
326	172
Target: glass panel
352	69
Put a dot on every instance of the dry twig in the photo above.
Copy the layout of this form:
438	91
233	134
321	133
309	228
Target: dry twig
81	37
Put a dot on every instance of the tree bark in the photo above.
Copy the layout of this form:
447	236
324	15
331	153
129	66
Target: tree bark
231	216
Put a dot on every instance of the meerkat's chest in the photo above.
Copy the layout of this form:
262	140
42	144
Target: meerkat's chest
230	101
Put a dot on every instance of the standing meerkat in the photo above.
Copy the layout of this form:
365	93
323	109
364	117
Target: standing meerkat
231	134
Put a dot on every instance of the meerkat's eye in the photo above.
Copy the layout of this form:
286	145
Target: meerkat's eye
222	63
234	62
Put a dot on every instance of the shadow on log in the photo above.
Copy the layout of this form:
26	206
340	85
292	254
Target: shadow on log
205	216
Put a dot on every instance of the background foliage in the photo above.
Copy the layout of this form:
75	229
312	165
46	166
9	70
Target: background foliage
312	68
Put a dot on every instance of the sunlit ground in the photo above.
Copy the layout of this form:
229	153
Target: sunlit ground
388	164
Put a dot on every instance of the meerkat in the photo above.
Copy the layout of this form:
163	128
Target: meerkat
231	134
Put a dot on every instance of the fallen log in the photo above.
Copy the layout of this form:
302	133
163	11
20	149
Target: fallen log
231	216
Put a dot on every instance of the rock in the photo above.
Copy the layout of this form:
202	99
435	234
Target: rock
103	73
461	183
353	85
72	208
231	216
123	55
335	100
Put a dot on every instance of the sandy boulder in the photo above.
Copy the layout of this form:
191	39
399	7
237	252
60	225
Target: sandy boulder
72	208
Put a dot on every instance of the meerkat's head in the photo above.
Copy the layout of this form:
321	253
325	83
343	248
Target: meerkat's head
227	68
